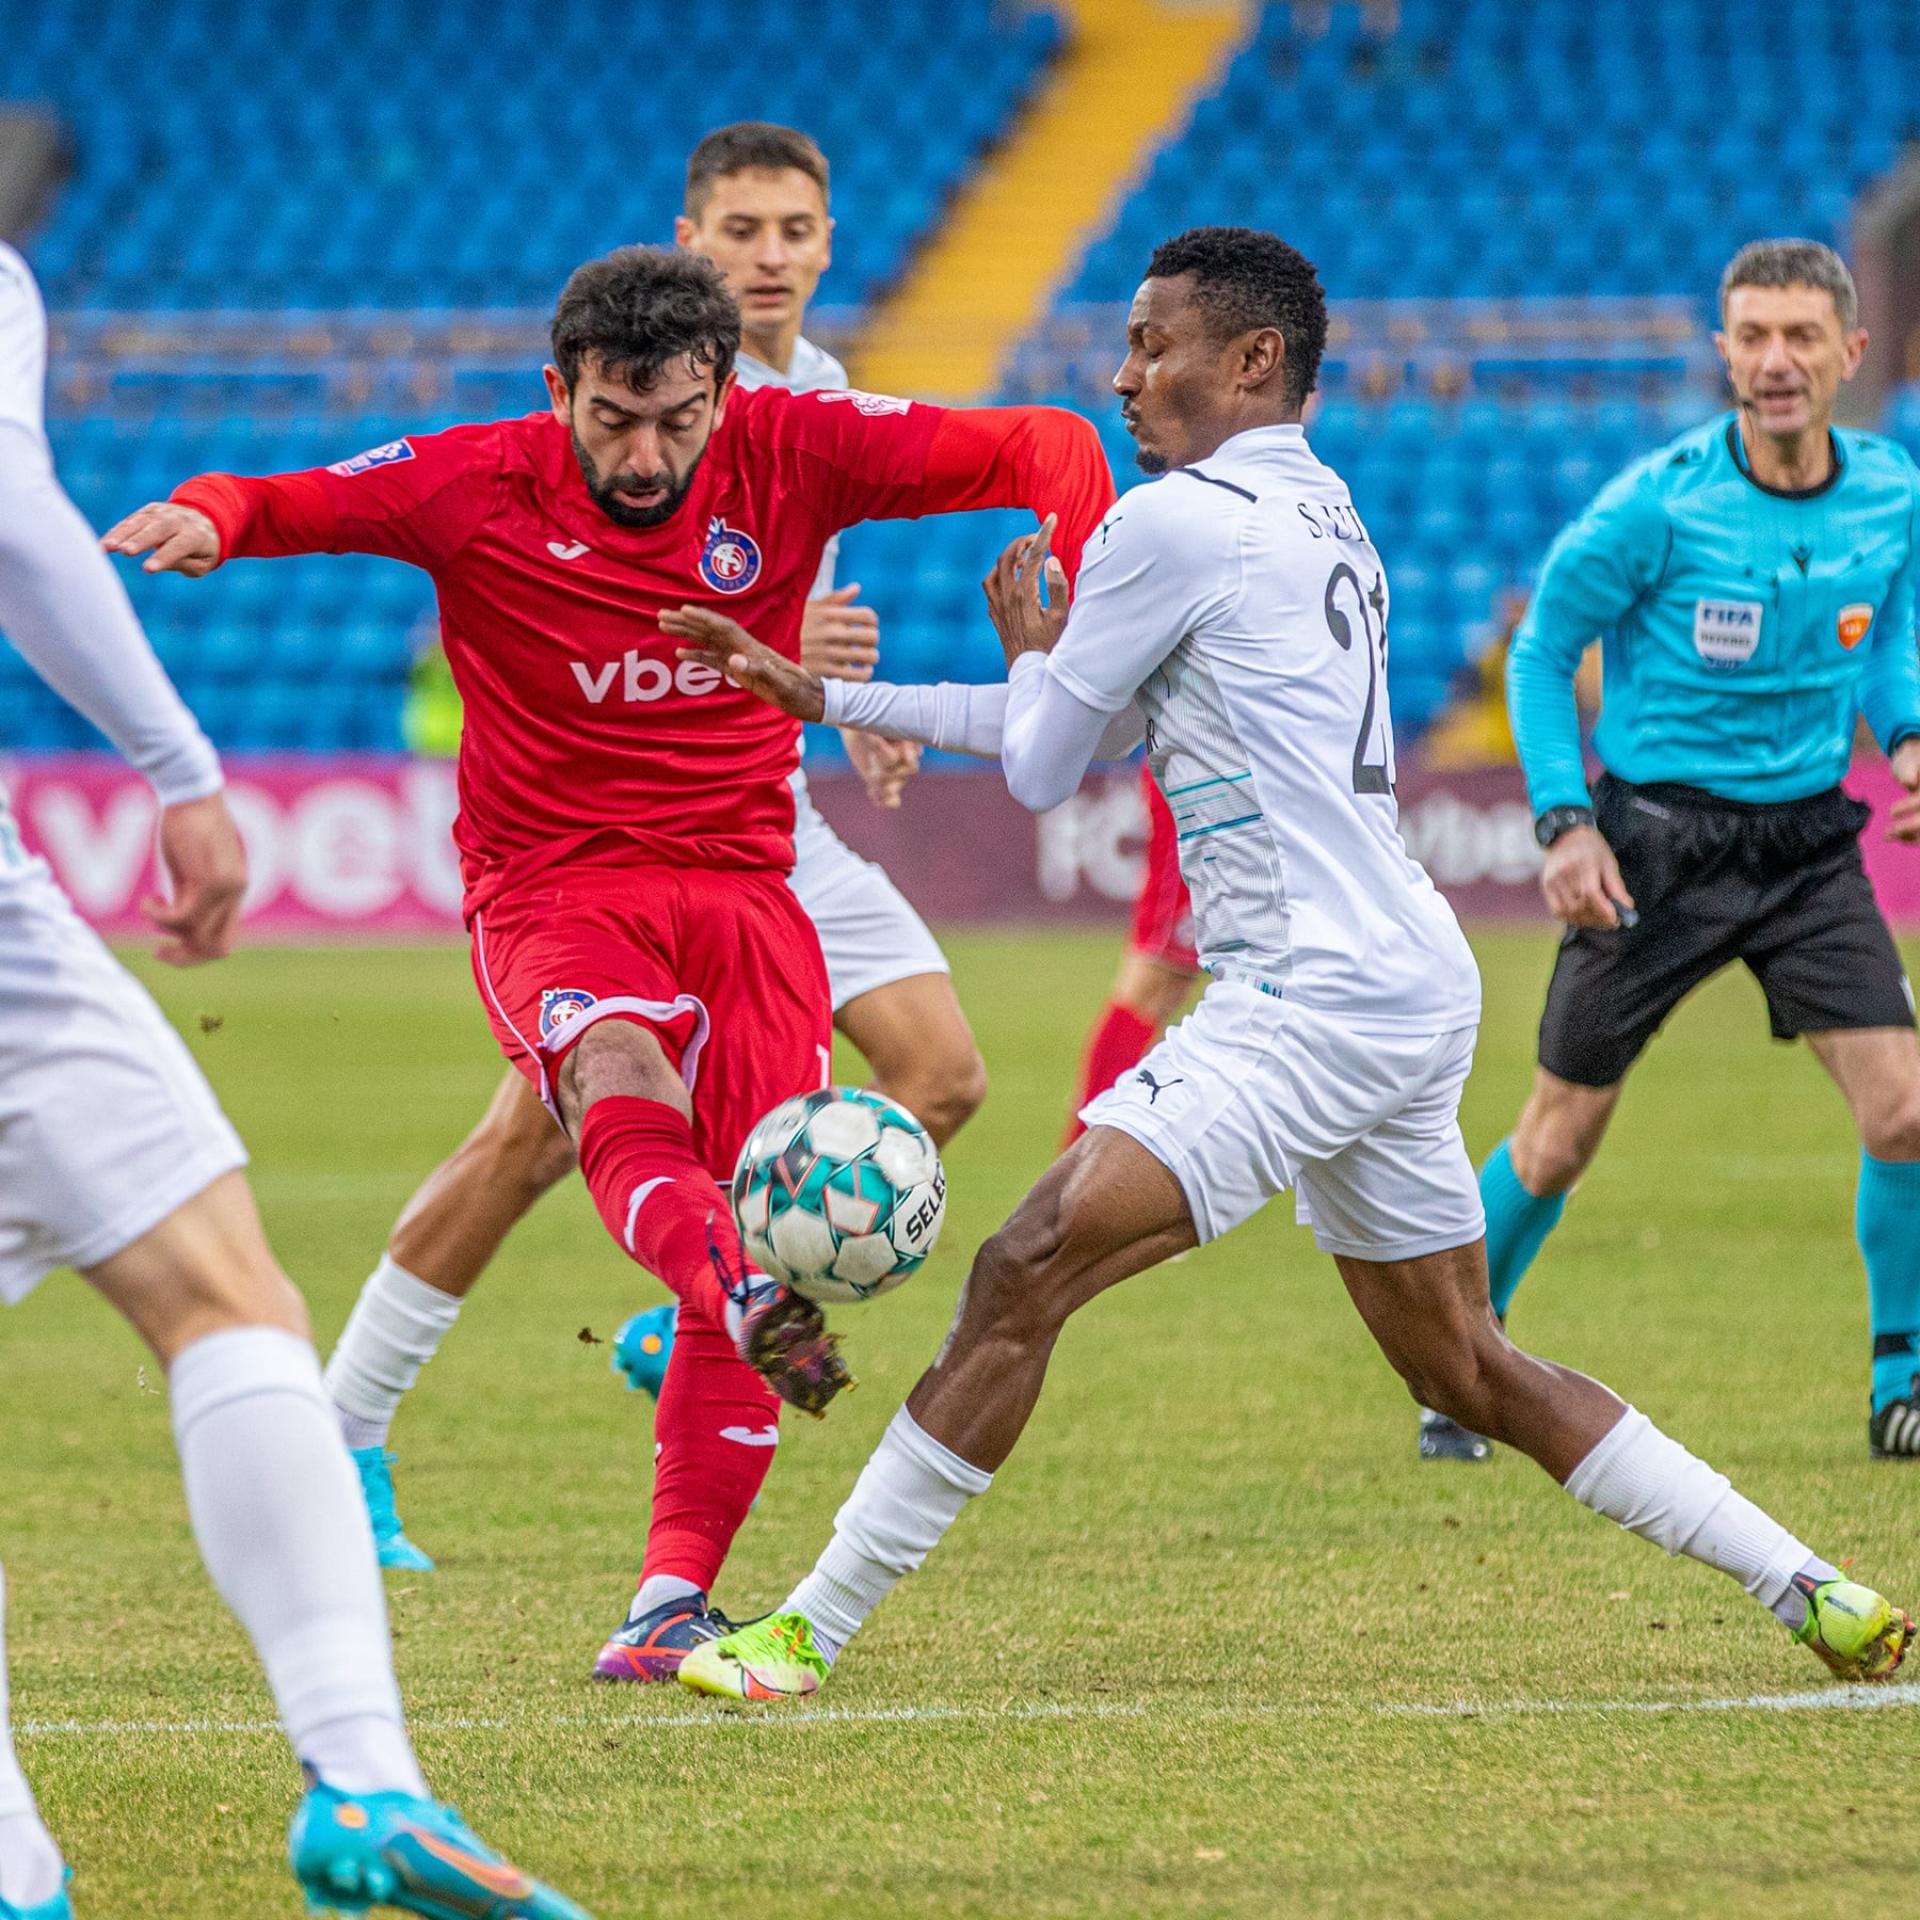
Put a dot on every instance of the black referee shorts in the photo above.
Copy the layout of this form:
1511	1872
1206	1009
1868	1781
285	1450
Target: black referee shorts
1780	887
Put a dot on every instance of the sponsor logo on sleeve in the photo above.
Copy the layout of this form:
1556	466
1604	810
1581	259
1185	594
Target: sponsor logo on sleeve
730	560
1854	622
374	457
872	404
1726	633
559	1006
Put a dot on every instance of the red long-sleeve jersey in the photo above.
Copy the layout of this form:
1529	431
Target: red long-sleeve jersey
585	738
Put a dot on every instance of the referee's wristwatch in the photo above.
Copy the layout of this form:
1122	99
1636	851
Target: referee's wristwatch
1558	820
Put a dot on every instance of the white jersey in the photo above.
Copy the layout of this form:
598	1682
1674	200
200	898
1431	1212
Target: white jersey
813	370
1241	605
61	604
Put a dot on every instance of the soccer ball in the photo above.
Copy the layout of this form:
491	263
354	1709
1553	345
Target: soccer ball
840	1194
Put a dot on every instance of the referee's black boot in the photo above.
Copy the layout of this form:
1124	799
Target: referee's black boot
1894	1432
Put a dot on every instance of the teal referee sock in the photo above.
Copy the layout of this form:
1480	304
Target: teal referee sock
1518	1223
1887	1221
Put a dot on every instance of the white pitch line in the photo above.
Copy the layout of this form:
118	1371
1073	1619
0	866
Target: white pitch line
1829	1699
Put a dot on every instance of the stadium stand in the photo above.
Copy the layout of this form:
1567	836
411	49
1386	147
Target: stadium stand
406	154
1494	357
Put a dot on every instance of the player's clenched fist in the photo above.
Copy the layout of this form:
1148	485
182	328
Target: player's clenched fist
715	641
175	539
1582	882
1903	818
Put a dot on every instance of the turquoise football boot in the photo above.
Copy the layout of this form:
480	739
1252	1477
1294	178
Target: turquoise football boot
644	1345
389	1536
58	1908
352	1852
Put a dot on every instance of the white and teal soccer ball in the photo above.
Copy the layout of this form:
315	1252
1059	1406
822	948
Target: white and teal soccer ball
840	1194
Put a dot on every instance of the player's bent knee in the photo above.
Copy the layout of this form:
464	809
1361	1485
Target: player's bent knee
1552	1147
947	1093
205	1269
1893	1133
617	1057
1012	1292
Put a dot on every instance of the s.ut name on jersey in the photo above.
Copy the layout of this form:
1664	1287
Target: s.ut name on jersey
1241	603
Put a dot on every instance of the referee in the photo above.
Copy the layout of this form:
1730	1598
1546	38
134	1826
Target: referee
1753	585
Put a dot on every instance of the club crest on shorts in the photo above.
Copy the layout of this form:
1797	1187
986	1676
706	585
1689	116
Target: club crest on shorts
558	1005
1853	624
730	561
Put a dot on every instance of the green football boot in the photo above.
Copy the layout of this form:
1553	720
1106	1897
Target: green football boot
1857	1632
771	1659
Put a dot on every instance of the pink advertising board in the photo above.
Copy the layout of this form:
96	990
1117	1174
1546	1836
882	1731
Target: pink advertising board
359	846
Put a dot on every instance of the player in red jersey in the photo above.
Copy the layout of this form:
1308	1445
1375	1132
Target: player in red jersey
625	823
1157	971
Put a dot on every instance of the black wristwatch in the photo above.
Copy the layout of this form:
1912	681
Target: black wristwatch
1558	820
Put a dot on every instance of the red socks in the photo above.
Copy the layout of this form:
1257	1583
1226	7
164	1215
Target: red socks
656	1198
718	1421
715	1432
1119	1041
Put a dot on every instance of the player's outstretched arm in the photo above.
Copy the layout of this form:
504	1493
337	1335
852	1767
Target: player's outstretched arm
175	539
63	608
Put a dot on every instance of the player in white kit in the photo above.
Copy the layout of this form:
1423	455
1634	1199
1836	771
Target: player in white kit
1236	615
756	204
116	1159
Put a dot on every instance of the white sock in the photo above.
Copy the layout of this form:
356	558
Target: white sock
906	1498
1654	1487
30	1863
283	1530
656	1590
395	1328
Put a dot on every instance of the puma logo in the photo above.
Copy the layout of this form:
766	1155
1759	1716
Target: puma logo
1155	1088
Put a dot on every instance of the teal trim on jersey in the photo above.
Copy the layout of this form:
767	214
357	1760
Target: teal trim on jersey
1730	619
1219	780
1220	826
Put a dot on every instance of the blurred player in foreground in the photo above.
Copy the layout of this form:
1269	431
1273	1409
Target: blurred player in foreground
626	819
1237	613
1157	971
1754	582
756	205
116	1159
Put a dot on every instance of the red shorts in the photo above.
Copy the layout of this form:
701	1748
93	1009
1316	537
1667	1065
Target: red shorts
1163	915
722	966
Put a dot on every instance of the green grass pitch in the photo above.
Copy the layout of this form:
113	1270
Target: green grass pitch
1216	1644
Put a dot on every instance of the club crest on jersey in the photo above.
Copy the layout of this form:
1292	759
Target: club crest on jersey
374	457
558	1005
1854	622
730	561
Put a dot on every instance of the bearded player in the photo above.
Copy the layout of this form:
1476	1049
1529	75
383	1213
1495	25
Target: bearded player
757	206
626	819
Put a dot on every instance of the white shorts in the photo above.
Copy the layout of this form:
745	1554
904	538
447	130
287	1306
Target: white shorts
1252	1094
106	1124
870	935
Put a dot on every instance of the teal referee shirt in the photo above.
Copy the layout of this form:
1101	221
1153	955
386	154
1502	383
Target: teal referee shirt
1741	627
